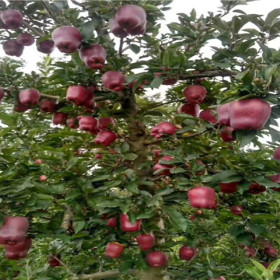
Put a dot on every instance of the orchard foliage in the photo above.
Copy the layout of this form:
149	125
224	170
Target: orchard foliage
104	180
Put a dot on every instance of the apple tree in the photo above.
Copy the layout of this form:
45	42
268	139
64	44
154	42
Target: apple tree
134	153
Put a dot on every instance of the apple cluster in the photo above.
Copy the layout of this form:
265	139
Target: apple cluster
13	235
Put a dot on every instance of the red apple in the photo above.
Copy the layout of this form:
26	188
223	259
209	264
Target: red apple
146	241
276	154
163	128
29	96
187	253
80	95
256	188
229	187
105	138
114	250
72	123
190	109
67	38
250	252
127	226
271	252
116	29
13	230
43	178
227	134
53	262
131	18
98	156
19	250
87	123
276	179
48	106
157	259
20	108
202	197
249	114
60	118
236	210
12	19
13	48
46	46
140	30
93	56
38	161
159	166
223	114
113	80
208	115
112	222
25	39
104	123
169	81
195	94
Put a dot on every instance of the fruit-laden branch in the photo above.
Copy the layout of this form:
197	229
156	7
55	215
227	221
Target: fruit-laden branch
101	275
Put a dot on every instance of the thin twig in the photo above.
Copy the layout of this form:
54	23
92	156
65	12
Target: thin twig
121	47
50	96
35	30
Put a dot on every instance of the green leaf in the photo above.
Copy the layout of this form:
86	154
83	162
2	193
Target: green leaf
78	226
274	265
156	82
164	191
245	136
272	16
177	219
135	48
256	228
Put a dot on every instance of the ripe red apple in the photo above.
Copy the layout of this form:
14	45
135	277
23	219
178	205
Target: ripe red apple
146	241
157	153
199	212
276	179
227	134
29	96
104	123
127	226
105	137
93	56
60	118
229	187
195	94
250	252
159	166
13	230
236	210
72	123
114	250
249	114
271	252
48	106
190	109
13	48
80	95
54	262
20	108
43	178
46	46
187	253
112	222
2	93
169	81
223	114
116	29
131	18
19	250
25	39
38	161
67	38
87	123
12	19
157	259
202	197
163	128
256	188
208	115
276	154
113	80
98	156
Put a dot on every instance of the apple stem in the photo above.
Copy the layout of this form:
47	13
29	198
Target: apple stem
121	47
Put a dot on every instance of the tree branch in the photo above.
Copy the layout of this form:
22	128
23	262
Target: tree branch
34	30
66	222
209	74
101	275
121	47
50	96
